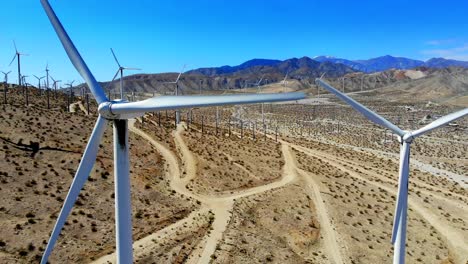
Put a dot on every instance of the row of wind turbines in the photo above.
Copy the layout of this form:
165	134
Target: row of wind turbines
118	112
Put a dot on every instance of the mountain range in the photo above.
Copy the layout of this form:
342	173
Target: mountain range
263	71
389	62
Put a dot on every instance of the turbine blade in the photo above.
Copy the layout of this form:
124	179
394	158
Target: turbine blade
115	58
14	44
132	69
402	195
81	175
174	102
440	122
178	77
74	55
14	57
115	76
362	109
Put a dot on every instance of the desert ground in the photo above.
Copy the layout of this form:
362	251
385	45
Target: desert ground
309	182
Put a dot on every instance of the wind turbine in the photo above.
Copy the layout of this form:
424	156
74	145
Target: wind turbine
5	76
39	82
121	70
258	91
405	139
259	82
18	56
284	82
119	111
177	92
47	75
55	86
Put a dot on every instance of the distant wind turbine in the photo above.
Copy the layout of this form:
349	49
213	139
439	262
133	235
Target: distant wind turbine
177	92
39	81
5	76
55	86
18	57
121	70
118	112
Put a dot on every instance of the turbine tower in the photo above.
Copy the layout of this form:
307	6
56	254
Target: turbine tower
118	112
121	70
18	56
405	139
47	76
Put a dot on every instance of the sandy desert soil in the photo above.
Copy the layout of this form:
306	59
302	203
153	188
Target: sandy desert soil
211	192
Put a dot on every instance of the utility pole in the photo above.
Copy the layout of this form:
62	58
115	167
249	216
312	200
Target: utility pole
27	93
276	133
343	84
362	80
48	97
242	129
87	103
202	124
159	119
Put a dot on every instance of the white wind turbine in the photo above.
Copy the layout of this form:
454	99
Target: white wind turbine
177	92
258	91
18	56
121	70
39	82
119	111
5	76
406	138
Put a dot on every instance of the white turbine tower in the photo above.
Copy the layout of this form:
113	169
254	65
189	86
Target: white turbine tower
119	111
406	138
121	70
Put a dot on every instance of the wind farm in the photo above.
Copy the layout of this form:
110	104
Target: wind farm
300	160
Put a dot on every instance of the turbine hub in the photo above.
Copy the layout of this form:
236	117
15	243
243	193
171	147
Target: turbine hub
105	110
407	137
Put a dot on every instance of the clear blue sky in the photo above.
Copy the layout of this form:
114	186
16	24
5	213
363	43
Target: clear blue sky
161	36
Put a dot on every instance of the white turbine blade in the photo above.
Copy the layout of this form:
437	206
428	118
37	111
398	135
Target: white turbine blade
115	76
14	44
402	195
178	77
132	69
14	57
85	167
440	122
74	55
174	102
362	109
115	58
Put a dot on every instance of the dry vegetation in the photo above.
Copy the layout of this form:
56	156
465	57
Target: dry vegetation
213	191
